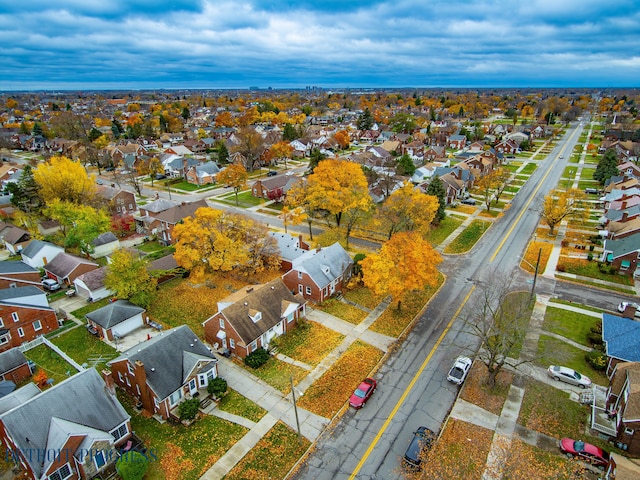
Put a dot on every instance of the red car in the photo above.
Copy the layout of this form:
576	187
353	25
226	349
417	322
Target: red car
363	393
584	451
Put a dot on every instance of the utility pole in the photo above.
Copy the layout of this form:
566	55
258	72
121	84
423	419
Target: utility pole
295	408
535	276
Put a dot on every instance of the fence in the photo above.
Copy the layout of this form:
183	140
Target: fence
40	340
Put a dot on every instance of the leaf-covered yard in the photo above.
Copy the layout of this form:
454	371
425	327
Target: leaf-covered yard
309	342
330	392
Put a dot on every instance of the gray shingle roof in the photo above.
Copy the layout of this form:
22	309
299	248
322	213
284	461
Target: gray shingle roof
103	239
271	300
324	266
15	266
11	359
622	246
159	205
18	397
288	245
9	294
166	358
35	246
114	313
63	264
81	399
94	279
621	337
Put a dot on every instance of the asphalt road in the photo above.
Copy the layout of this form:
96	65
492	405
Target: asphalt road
412	387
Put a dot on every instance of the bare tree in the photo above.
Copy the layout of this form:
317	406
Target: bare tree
499	319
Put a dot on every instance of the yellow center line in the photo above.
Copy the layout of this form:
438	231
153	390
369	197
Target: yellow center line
408	389
526	206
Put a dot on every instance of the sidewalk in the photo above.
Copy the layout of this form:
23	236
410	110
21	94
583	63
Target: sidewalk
280	407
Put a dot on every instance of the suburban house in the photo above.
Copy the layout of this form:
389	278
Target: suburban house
622	468
203	174
14	273
161	216
65	268
623	399
116	319
320	273
120	202
24	314
90	285
104	244
165	370
48	227
621	338
14	366
507	147
15	239
148	212
38	253
249	318
290	248
273	187
622	253
164	268
56	421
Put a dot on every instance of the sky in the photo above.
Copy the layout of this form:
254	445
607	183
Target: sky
211	44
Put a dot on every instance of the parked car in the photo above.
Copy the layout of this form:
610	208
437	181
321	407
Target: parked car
468	201
420	443
560	156
50	284
160	176
271	173
584	451
363	393
568	375
623	306
460	369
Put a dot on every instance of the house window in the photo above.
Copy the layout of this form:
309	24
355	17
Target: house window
1	322
20	332
175	397
120	432
290	317
308	290
300	289
254	346
61	473
130	368
232	343
138	389
14	315
13	285
299	274
99	459
120	377
37	325
128	382
628	431
222	323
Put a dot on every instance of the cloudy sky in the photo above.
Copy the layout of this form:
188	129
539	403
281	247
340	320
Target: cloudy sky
115	44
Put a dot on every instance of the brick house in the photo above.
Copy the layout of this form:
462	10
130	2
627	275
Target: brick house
273	186
621	338
166	220
203	174
24	314
119	201
45	422
290	248
14	273
250	318
622	253
507	147
14	366
320	273
65	268
165	370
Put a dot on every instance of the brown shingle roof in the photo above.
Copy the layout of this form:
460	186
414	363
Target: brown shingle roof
184	210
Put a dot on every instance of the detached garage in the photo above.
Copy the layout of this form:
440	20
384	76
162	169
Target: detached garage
116	319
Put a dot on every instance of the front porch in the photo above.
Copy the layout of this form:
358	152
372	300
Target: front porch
601	421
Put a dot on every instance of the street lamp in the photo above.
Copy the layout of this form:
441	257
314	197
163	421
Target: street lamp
295	408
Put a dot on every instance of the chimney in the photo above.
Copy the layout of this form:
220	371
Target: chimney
109	383
625	215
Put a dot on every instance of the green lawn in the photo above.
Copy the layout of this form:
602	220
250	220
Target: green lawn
183	452
591	269
550	411
278	374
151	246
529	168
235	403
552	351
566	302
53	364
572	325
83	347
468	238
438	235
245	199
88	308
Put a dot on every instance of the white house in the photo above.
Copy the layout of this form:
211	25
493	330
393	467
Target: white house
104	244
38	253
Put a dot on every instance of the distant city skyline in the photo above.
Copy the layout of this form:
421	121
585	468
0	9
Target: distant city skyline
226	44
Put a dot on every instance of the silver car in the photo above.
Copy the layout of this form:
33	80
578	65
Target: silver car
568	375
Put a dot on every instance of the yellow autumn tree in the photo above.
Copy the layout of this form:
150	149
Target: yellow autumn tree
64	179
281	150
235	176
405	263
407	209
337	186
343	139
561	204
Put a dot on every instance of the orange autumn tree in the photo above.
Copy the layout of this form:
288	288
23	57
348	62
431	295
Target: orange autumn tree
405	263
342	137
407	209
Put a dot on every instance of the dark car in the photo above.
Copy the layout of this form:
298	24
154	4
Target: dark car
160	176
363	393
110	168
468	201
271	173
421	442
584	451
